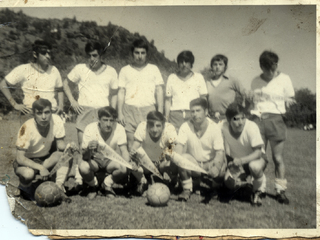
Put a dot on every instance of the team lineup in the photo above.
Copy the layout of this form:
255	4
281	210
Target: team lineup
133	130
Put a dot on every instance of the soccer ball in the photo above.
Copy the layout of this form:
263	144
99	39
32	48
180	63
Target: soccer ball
158	195
48	194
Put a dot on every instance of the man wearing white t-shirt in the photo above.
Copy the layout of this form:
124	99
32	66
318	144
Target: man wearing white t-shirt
38	79
154	136
108	131
272	90
200	141
140	90
182	87
244	144
39	147
98	86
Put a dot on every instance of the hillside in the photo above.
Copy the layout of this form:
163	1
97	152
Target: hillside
68	38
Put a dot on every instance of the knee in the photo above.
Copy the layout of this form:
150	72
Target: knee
256	168
84	168
25	174
278	159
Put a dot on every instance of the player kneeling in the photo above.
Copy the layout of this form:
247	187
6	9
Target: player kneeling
40	145
154	136
244	144
105	131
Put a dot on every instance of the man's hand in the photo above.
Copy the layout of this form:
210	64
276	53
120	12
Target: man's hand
59	110
121	119
44	173
217	115
22	108
237	162
93	145
75	105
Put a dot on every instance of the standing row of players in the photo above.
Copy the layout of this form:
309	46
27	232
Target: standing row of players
140	92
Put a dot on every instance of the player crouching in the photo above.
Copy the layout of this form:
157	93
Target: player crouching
154	136
40	145
244	144
105	131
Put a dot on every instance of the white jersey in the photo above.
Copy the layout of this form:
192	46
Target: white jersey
155	150
94	87
36	84
35	145
242	146
140	85
270	97
183	92
117	138
203	149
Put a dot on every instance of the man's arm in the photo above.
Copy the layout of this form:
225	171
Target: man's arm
121	96
159	97
124	152
60	102
6	92
256	154
74	104
114	98
61	145
167	107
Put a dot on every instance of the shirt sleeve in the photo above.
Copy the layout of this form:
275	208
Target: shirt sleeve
157	76
169	86
171	134
114	80
140	133
58	79
288	88
24	137
122	78
16	75
217	139
183	136
255	135
86	137
202	85
59	131
238	87
74	75
122	139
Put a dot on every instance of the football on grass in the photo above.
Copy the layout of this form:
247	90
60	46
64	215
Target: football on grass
48	194
158	195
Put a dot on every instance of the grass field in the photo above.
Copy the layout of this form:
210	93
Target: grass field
134	213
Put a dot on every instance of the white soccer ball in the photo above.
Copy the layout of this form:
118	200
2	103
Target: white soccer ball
158	195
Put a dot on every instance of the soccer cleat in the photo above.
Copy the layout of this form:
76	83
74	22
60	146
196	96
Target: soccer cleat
185	195
256	198
281	198
92	192
107	191
141	188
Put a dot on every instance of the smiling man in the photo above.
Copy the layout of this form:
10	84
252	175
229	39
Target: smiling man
140	90
108	131
39	147
200	141
38	79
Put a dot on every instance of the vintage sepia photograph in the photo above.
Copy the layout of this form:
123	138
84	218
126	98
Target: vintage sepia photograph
160	120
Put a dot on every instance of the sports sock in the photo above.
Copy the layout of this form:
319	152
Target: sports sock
78	176
260	184
280	184
138	174
93	182
25	185
187	184
62	173
108	181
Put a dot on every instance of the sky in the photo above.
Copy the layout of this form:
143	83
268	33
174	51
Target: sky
241	33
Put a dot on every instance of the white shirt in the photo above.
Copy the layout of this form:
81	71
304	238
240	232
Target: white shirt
155	150
203	149
140	85
94	87
117	138
242	146
30	139
36	84
270	97
183	92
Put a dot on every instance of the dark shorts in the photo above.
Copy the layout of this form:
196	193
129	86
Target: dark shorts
88	115
272	126
178	117
135	115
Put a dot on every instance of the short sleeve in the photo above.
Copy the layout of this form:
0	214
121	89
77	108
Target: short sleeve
183	136
74	75
24	137
140	133
217	139
16	75
122	137
254	135
238	86
202	85
157	76
171	133
288	88
59	131
169	86
58	79
114	79
122	78
87	136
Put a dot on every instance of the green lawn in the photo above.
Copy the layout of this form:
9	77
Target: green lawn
134	213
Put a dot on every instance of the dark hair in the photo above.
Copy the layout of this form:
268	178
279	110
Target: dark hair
156	116
185	56
107	112
91	46
234	109
41	104
139	43
269	60
219	57
40	44
199	102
